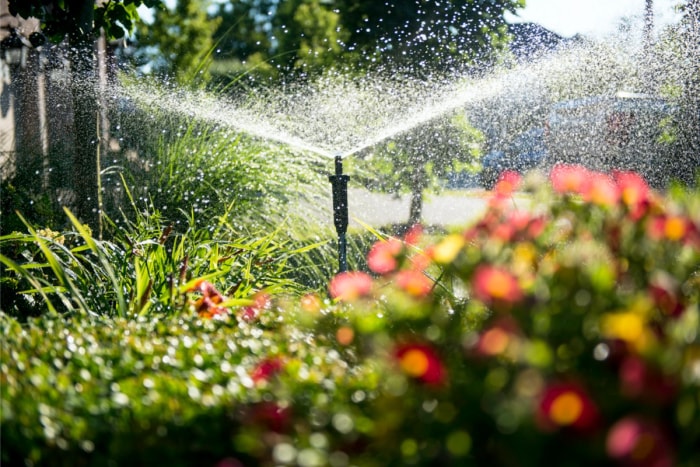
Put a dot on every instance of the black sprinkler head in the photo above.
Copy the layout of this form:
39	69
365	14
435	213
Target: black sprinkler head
340	210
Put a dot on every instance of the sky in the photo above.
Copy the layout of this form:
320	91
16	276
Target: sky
590	17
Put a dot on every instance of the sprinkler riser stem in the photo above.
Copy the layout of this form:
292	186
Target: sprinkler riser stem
340	210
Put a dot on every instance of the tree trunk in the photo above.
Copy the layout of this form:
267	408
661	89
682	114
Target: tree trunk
415	213
418	183
84	95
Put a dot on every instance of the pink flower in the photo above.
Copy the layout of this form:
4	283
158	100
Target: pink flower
494	284
413	235
569	178
507	183
414	283
382	256
638	442
601	190
422	362
261	302
349	286
566	405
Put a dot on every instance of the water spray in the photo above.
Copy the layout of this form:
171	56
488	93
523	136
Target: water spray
340	211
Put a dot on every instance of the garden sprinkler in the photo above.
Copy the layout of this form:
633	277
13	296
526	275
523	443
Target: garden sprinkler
340	210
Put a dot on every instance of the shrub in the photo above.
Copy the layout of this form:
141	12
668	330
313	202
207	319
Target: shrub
562	334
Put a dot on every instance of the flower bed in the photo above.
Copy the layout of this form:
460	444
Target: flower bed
564	334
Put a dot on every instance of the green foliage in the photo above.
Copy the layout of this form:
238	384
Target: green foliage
140	271
60	18
566	333
179	42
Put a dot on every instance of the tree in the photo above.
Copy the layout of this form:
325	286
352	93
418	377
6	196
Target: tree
81	22
179	42
411	162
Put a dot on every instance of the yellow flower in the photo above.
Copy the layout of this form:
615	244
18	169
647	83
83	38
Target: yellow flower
447	250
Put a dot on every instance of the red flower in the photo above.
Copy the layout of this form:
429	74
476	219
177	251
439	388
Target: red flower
634	192
673	228
566	405
637	442
349	286
639	380
422	362
414	283
569	178
271	416
665	291
266	369
382	256
261	301
493	284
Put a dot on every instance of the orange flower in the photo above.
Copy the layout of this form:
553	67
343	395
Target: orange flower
493	284
671	227
498	338
637	442
208	305
382	256
569	178
420	361
311	303
349	286
414	282
566	405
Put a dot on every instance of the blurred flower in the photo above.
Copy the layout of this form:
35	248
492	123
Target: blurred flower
345	335
381	258
493	284
421	361
349	286
634	192
413	235
672	227
564	405
637	442
311	303
209	304
507	183
261	301
569	178
601	190
628	326
639	380
266	369
447	250
413	282
665	292
271	415
498	338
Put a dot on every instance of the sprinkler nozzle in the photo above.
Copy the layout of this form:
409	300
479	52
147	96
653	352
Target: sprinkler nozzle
340	210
